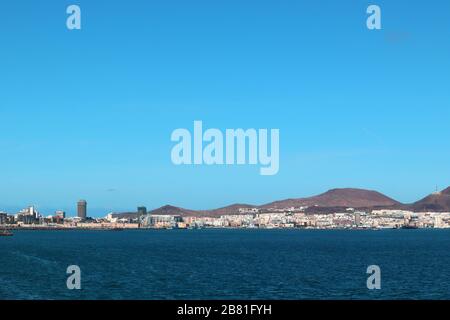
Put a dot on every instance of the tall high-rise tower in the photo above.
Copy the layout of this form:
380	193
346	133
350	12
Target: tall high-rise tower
82	209
142	211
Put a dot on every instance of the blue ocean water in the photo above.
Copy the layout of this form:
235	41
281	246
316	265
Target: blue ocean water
226	264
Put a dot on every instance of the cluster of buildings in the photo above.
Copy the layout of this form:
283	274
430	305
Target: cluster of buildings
243	218
31	217
349	219
292	218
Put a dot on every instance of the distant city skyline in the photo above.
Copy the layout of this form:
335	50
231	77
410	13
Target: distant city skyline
88	114
336	195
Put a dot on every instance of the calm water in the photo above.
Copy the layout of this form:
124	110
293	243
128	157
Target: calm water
226	264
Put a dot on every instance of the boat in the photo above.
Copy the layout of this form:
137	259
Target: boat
410	227
5	233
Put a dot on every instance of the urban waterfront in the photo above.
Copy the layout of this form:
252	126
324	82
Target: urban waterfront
226	264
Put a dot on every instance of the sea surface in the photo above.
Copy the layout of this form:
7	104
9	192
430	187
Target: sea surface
226	264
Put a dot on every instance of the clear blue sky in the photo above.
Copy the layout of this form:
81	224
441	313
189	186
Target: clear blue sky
89	113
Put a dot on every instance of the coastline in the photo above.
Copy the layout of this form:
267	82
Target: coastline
43	228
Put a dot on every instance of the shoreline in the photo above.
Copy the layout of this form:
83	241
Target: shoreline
216	228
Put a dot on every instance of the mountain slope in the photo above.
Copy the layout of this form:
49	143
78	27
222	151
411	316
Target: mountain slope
171	210
232	209
334	199
347	197
438	202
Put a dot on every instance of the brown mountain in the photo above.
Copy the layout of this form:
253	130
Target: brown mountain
232	209
347	197
330	201
437	202
171	210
